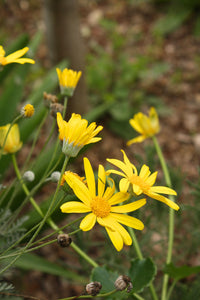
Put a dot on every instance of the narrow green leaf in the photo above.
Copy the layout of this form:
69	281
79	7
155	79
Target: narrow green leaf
180	272
34	262
171	21
142	272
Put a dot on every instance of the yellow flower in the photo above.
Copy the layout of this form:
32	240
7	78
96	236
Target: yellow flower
68	80
142	182
76	133
13	143
101	206
15	57
27	111
146	126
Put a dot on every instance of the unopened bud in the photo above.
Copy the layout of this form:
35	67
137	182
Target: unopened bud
93	288
55	108
123	282
29	176
64	240
55	176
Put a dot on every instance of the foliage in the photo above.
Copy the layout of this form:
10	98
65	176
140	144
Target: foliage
23	220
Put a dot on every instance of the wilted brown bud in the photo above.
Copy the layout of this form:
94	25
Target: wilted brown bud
123	282
64	240
49	98
55	108
93	288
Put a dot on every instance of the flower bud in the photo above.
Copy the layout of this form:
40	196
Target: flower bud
55	176
49	98
93	288
55	108
64	240
27	111
123	282
29	176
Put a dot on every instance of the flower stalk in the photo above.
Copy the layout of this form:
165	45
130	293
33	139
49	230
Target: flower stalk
46	217
171	216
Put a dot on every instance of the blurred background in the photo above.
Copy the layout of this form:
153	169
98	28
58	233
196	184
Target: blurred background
134	54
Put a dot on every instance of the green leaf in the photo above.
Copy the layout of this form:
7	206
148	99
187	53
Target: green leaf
171	21
180	272
105	277
34	262
142	272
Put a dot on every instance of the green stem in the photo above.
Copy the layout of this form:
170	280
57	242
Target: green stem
84	255
47	218
171	216
140	256
89	296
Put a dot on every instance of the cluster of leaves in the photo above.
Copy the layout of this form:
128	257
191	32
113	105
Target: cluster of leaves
114	81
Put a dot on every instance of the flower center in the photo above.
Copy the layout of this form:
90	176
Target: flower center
100	207
137	180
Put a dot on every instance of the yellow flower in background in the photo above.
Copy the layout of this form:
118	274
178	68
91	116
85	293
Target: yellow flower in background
13	143
142	182
68	80
100	204
27	111
76	133
146	126
15	57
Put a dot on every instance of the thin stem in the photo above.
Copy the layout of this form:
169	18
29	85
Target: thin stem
140	256
46	218
84	255
90	296
171	216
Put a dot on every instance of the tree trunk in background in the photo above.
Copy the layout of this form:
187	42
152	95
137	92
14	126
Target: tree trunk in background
65	42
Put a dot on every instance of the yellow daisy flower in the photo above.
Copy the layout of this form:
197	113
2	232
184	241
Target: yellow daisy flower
76	133
15	57
13	143
101	206
68	80
146	126
142	182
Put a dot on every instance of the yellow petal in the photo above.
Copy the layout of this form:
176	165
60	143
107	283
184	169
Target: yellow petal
17	54
79	188
128	207
124	185
163	199
101	180
151	179
110	190
138	139
2	51
118	198
135	123
115	238
120	165
74	207
23	61
123	232
88	222
89	174
144	172
163	190
108	172
128	221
